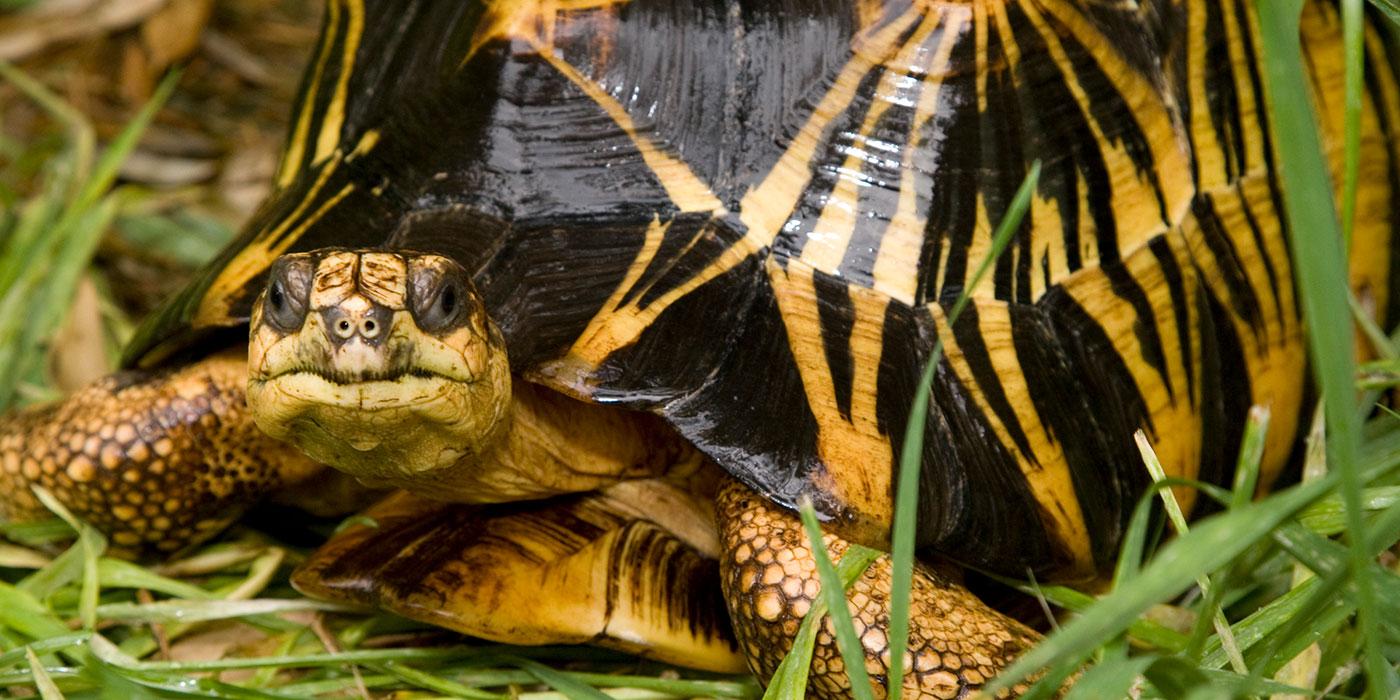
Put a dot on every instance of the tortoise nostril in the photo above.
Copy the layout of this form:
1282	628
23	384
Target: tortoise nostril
343	328
368	328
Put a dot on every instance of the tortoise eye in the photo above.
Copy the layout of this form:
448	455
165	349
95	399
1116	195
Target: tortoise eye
440	297
288	288
276	299
441	310
447	299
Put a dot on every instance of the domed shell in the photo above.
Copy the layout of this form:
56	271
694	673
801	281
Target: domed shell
752	217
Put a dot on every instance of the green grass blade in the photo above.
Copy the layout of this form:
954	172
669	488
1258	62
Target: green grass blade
48	690
1211	611
43	646
1379	341
54	238
1256	429
1322	282
91	544
445	686
118	573
688	688
24	613
1391	9
202	610
573	689
1073	600
1129	562
906	511
104	173
1110	679
81	137
852	651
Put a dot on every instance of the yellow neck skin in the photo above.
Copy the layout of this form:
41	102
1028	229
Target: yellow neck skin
549	444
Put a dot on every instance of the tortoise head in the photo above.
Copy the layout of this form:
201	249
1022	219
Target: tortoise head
382	364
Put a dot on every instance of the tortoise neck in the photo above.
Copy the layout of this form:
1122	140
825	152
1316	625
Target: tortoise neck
550	444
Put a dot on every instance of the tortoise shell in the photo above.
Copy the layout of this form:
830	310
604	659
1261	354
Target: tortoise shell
751	218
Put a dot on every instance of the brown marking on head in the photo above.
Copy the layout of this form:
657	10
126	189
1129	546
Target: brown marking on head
379	363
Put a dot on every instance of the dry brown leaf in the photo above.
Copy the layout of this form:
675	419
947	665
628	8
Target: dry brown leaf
77	357
160	170
163	39
46	24
173	33
226	51
248	171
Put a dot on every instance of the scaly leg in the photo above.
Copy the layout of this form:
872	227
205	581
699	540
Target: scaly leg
156	460
956	642
567	570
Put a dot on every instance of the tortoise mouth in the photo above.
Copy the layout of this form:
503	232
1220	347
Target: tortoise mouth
370	391
378	429
352	378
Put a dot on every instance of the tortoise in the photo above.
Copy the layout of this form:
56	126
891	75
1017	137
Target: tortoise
605	288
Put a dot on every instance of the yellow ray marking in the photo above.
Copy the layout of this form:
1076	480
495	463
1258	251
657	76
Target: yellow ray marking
1046	244
1149	274
764	209
367	142
979	248
979	52
1227	211
1147	107
1373	234
897	262
1274	366
979	244
296	147
258	254
858	459
1049	476
533	20
1177	424
1046	225
868	12
1244	87
335	110
624	325
1134	201
1208	149
606	331
685	189
831	234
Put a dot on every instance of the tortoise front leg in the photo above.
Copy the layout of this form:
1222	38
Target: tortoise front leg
956	642
156	460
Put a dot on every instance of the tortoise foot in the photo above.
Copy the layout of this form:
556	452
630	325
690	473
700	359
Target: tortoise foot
956	642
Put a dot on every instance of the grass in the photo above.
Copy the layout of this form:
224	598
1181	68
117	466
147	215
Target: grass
1291	594
46	243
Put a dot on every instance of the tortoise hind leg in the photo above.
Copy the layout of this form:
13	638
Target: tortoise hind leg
956	642
569	570
156	460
